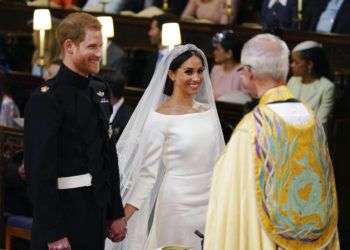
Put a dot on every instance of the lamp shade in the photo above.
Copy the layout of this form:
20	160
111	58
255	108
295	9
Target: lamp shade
41	19
107	26
171	34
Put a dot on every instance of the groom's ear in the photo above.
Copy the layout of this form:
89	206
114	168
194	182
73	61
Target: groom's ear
171	75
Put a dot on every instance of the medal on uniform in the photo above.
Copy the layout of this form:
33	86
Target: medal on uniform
100	93
44	89
110	131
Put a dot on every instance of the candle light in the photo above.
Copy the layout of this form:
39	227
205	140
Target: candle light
229	8
165	5
171	35
41	22
300	8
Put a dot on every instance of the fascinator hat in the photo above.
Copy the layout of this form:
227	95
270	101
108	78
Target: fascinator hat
221	36
306	45
229	41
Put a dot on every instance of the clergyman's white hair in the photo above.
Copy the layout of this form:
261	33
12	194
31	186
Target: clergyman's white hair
268	56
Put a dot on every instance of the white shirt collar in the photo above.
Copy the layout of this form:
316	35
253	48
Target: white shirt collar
272	3
116	107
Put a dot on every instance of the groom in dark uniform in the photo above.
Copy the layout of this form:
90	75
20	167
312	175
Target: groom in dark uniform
70	162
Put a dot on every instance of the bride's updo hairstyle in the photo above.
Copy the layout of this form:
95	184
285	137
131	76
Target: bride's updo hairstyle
176	64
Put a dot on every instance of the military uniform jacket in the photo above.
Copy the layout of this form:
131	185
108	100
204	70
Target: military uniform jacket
66	134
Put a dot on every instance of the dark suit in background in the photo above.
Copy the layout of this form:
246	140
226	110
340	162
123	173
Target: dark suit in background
16	197
120	120
141	67
278	16
121	111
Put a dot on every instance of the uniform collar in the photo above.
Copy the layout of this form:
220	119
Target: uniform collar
67	76
280	93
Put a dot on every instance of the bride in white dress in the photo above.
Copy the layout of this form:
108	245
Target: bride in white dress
167	153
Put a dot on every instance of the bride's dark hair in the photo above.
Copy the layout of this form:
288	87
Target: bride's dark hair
175	64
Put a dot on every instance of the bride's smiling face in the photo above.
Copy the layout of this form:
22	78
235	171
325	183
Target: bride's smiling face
188	78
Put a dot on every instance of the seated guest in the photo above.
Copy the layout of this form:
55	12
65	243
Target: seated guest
114	6
68	4
278	14
16	198
311	79
121	111
8	108
224	76
116	58
212	10
327	16
144	63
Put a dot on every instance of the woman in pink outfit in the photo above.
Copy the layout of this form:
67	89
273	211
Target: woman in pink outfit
227	53
212	10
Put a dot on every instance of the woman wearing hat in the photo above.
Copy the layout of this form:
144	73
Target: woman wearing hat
310	82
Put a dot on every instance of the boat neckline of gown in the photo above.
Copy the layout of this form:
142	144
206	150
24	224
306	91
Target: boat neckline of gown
186	114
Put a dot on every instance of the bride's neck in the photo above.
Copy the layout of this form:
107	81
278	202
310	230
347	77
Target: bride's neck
181	99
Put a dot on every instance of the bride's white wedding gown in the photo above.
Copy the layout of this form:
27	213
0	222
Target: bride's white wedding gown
185	146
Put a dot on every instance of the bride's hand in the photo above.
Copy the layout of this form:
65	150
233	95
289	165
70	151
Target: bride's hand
129	210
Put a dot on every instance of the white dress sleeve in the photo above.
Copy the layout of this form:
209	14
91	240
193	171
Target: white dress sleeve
154	136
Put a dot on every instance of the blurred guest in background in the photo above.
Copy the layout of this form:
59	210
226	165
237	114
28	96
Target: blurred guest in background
144	63
327	16
311	79
116	58
113	6
227	53
212	10
8	108
121	111
278	14
52	69
67	4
